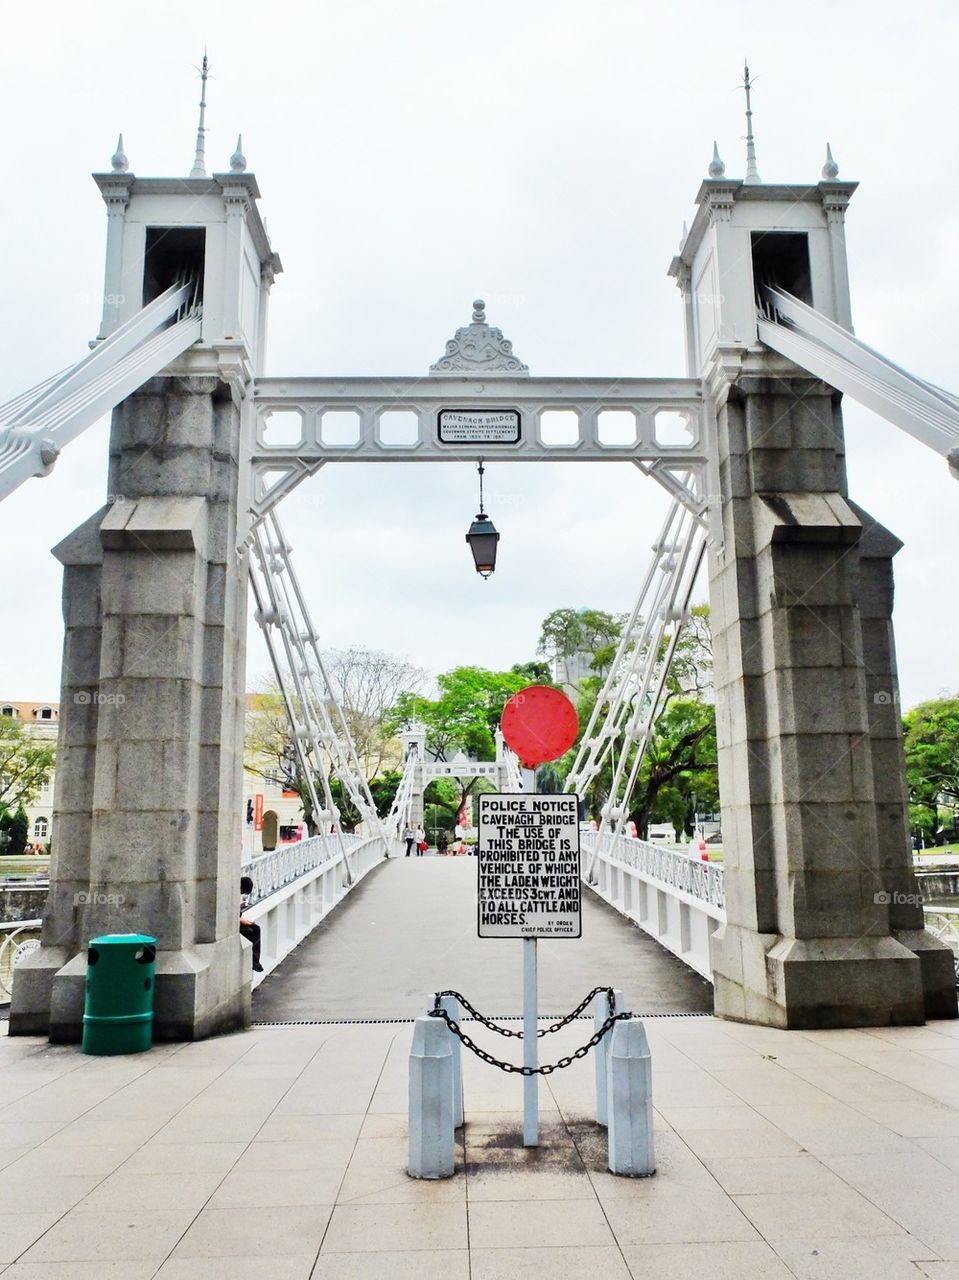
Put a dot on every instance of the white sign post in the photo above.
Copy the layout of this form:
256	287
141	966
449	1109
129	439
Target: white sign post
529	887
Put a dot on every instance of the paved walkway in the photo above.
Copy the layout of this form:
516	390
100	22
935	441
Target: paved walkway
410	928
280	1153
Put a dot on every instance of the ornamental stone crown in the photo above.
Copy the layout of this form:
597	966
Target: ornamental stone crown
480	348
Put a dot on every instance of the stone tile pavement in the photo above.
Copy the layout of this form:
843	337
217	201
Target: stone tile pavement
280	1153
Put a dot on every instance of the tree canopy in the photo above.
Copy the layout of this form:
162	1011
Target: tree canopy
566	633
269	752
931	741
680	764
678	773
467	712
16	828
465	715
368	683
381	696
26	763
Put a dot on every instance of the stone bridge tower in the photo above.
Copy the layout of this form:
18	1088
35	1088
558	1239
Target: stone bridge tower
823	926
146	831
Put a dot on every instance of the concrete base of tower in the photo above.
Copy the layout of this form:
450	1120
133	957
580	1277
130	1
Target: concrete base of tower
815	983
938	967
200	991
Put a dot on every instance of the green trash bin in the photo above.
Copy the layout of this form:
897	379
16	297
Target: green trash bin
118	1012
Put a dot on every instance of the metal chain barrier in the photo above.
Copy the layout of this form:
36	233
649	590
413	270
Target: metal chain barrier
509	1067
518	1035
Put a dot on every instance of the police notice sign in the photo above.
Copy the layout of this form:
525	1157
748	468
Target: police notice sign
528	866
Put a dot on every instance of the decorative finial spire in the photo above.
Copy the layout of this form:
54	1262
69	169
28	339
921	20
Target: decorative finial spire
830	169
752	173
238	159
684	237
119	160
479	311
716	167
199	160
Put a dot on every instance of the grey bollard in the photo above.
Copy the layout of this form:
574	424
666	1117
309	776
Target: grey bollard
630	1093
431	1100
451	1005
600	1014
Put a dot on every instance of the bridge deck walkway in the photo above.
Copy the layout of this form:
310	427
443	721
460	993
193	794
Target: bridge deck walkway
410	928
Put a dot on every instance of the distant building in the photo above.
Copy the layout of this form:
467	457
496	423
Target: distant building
39	720
273	816
569	673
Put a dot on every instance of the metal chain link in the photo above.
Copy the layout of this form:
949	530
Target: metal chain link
545	1070
518	1035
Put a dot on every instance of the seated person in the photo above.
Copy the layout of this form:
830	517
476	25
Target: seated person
248	928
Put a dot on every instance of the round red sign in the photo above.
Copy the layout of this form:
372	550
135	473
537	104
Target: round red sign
539	723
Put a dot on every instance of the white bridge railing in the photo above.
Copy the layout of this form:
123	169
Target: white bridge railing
18	938
675	898
679	899
944	923
296	886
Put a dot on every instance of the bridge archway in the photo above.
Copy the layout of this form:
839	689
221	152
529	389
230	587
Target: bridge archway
823	926
409	928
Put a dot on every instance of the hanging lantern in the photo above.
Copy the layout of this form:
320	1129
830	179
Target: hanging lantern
482	536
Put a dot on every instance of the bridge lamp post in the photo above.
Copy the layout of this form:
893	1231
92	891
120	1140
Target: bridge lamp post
482	536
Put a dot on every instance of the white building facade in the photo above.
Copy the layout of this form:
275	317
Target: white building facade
38	720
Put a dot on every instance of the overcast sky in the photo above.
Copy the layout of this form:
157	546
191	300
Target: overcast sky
540	154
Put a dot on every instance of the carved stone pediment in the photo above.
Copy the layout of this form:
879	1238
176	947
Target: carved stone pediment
480	348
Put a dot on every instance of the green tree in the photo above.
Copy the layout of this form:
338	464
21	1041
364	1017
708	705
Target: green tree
367	683
680	759
441	806
691	791
931	741
269	752
14	825
567	633
26	763
533	672
466	714
464	717
382	790
691	670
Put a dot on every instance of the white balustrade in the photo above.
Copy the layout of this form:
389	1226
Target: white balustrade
296	886
679	900
676	898
944	923
17	939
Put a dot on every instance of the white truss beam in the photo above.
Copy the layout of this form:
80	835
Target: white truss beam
512	779
321	737
529	403
832	353
400	810
36	425
623	720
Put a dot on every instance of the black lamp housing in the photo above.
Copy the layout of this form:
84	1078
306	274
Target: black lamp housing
482	536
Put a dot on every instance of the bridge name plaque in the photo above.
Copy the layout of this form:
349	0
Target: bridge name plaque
479	426
528	867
